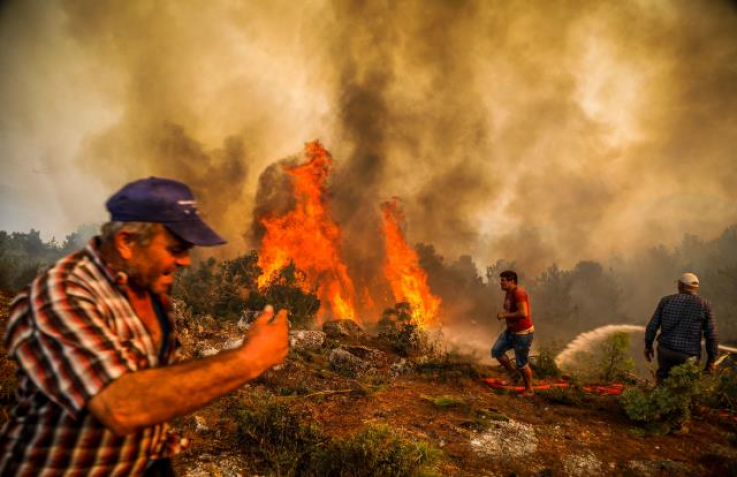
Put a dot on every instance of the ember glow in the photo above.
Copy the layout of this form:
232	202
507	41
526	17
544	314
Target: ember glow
402	268
309	237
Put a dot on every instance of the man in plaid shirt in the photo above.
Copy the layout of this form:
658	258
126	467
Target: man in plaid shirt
95	346
682	319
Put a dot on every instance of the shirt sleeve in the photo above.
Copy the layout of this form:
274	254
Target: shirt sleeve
654	325
62	342
710	334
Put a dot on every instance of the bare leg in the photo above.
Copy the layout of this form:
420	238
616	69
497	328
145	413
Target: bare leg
527	377
504	361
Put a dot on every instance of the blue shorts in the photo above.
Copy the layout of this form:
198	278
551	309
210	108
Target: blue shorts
519	343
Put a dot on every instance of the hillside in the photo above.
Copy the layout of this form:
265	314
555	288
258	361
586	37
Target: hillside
436	404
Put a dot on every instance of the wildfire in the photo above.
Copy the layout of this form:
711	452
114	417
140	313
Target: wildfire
402	268
310	238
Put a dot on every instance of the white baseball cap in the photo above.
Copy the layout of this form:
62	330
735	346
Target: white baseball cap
690	280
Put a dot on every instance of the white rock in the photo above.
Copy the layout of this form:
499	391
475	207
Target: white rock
207	351
505	440
201	424
306	339
233	343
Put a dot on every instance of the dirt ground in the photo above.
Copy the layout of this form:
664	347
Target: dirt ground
343	405
596	426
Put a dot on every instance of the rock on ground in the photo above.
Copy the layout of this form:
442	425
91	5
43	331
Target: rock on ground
342	329
342	360
582	465
505	440
372	356
305	339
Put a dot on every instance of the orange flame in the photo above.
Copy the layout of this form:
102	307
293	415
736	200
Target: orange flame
310	238
402	268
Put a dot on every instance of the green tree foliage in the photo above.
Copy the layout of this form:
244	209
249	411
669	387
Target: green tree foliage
285	291
614	360
565	302
224	290
24	255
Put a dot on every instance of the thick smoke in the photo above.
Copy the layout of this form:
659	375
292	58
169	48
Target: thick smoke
537	132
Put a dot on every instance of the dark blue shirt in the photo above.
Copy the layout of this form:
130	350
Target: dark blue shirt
683	319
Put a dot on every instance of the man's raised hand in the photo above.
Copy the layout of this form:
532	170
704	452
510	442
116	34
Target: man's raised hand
267	341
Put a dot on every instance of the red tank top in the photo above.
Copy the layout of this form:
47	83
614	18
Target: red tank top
512	302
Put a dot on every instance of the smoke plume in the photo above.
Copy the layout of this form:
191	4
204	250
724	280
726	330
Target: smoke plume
537	132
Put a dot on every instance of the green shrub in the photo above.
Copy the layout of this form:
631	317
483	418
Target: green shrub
225	289
375	451
444	402
288	443
668	406
283	439
721	390
614	361
405	337
544	365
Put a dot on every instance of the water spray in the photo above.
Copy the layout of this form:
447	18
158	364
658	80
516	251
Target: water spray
585	341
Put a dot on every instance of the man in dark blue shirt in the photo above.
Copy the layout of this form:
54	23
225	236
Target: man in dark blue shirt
682	319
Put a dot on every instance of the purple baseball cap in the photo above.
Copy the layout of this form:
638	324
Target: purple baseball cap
165	201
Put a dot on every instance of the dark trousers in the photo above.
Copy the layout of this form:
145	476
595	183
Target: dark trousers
667	359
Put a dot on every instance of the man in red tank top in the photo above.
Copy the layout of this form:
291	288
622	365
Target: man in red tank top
520	331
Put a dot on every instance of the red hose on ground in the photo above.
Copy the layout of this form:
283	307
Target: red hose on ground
543	385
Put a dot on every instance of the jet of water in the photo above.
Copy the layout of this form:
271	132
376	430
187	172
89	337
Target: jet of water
585	341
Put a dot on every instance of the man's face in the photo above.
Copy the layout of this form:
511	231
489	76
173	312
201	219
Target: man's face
152	266
506	284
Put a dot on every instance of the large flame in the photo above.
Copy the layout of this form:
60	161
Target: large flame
402	268
310	238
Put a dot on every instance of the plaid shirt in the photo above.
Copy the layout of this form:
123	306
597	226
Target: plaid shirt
682	319
73	332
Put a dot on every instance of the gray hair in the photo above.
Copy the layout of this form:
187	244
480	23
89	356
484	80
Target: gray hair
142	232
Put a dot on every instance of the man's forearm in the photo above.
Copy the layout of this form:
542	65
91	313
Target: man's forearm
152	396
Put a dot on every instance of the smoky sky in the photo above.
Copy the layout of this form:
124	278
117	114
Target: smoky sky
537	132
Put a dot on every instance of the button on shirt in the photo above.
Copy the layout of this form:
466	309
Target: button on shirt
72	333
682	319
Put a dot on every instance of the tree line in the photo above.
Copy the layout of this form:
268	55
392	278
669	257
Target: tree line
565	302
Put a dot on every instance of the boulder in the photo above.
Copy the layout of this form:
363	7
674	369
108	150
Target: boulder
342	329
343	361
372	356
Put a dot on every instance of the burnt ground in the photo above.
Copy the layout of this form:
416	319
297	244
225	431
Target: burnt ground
594	428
